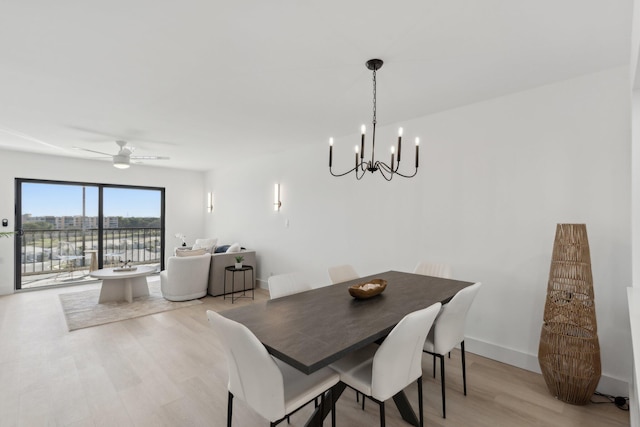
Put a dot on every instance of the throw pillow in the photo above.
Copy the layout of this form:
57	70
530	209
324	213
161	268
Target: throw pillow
234	248
221	249
206	244
195	252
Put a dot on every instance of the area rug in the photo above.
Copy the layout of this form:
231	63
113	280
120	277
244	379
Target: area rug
81	309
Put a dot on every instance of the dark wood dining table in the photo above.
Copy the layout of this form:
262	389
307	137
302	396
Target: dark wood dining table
312	329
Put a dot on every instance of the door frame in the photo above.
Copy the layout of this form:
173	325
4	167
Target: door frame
101	186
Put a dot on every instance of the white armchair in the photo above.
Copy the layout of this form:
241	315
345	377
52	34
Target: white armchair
185	278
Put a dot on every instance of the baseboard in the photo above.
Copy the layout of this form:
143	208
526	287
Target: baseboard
262	284
608	384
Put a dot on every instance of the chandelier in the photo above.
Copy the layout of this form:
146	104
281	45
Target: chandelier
361	166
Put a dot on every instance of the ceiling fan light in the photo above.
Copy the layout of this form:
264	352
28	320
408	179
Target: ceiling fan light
120	161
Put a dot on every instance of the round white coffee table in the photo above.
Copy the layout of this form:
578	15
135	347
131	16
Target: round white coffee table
123	285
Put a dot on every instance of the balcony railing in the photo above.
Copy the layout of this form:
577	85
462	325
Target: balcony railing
56	251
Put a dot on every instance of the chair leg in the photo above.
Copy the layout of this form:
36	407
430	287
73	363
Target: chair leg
420	404
444	409
434	366
229	409
363	399
464	370
333	409
382	424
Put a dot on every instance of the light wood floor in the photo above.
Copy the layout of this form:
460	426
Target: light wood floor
167	369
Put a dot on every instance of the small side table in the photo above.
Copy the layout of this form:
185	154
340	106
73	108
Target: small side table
233	270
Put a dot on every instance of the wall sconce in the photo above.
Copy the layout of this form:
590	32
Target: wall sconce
209	202
276	198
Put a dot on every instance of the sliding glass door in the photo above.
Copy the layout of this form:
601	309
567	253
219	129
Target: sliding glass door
132	226
67	229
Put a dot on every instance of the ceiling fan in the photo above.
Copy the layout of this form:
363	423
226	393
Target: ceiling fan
122	159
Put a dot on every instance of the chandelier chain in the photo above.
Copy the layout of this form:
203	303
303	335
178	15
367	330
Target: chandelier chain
374	96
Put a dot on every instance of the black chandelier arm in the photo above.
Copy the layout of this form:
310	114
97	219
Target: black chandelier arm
343	174
388	178
407	176
360	167
383	166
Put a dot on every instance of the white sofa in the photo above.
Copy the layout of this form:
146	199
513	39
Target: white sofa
185	278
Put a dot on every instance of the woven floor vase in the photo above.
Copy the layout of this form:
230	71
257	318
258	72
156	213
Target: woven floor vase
569	352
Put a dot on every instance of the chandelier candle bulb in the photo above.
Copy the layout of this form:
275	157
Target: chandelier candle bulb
417	149
330	151
392	157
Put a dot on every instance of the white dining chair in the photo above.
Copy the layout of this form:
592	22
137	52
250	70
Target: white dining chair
380	372
447	331
281	285
433	269
342	273
269	386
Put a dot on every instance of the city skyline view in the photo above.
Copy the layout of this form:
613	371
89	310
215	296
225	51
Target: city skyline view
45	199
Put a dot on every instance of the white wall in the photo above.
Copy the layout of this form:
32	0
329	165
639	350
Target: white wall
495	179
184	194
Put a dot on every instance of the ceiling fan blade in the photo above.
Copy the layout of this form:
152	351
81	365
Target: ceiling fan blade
149	158
93	151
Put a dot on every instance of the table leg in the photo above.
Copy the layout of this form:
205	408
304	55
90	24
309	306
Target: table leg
233	285
128	292
400	399
224	286
93	266
125	289
402	403
139	287
321	412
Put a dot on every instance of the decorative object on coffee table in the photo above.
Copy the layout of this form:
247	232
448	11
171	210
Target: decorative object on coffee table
125	266
569	352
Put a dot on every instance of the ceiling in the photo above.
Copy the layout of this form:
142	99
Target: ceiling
207	81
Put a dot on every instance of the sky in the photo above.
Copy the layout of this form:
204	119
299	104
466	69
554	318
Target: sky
39	199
